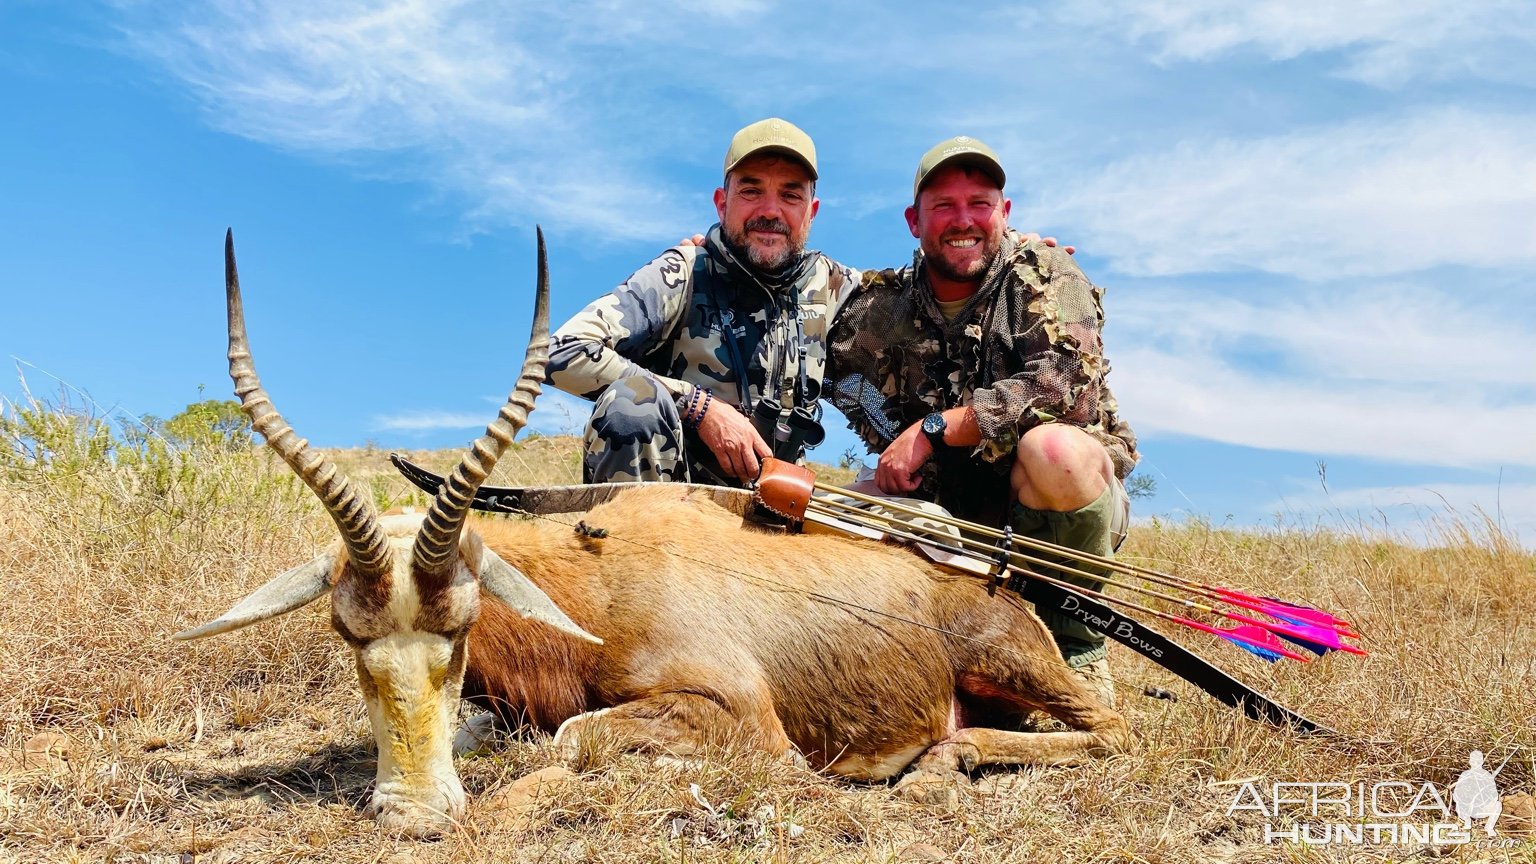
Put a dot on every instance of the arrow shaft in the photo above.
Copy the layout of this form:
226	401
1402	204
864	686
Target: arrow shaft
1155	576
902	533
896	525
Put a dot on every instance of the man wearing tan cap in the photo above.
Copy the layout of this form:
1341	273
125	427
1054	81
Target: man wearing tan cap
978	374
697	344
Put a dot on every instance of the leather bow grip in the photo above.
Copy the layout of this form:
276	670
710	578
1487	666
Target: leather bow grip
785	488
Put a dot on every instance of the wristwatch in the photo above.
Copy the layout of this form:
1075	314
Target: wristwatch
933	429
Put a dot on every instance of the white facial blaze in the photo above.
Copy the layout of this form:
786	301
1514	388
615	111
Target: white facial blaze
409	675
412	712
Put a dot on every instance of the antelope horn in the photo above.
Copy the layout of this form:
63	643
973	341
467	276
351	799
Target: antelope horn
360	531
438	541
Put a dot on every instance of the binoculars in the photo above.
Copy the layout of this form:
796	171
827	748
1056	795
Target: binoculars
790	434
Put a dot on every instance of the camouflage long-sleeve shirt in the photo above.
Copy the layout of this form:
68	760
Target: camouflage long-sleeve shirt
1026	350
668	320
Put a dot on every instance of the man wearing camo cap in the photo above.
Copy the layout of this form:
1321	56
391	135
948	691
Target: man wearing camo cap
978	374
679	356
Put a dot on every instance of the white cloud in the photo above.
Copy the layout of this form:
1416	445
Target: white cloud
1396	333
586	112
558	413
486	97
1430	512
1383	42
1370	197
1203	396
1417	372
555	413
430	421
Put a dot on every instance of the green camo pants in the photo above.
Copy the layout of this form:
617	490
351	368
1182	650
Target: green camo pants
1098	529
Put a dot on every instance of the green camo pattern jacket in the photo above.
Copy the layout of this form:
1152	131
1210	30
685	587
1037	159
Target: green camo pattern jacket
1026	350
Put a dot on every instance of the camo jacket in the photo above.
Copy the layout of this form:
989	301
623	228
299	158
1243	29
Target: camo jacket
657	325
1026	350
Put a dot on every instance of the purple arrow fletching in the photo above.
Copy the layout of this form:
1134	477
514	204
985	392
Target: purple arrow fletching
1318	640
1307	615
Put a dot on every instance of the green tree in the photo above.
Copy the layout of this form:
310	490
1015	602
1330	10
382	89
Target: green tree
1139	486
212	422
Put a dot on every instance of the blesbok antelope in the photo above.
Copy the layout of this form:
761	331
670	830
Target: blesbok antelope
857	656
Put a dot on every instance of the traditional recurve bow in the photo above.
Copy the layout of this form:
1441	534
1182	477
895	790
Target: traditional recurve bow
1057	596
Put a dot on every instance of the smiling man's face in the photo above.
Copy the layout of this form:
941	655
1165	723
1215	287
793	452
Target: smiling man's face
959	219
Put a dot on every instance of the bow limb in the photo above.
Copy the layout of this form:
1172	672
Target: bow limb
1168	654
1127	631
561	499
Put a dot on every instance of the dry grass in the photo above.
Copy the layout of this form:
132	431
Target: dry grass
254	747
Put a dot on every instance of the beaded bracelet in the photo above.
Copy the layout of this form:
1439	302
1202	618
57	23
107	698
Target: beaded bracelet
693	401
696	408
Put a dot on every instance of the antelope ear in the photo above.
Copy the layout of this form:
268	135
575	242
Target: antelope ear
298	587
511	587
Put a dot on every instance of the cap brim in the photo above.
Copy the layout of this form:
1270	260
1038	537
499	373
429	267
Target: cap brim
976	160
776	150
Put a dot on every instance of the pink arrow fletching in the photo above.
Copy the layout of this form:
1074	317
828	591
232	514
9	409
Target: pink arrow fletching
1238	634
1324	636
1283	610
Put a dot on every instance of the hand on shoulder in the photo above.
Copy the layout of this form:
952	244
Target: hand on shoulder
1032	237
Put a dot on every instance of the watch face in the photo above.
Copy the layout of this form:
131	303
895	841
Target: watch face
933	424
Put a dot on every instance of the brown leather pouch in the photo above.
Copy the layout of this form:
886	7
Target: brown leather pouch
784	488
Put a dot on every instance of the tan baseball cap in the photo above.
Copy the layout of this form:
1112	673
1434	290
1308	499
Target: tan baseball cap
775	135
961	148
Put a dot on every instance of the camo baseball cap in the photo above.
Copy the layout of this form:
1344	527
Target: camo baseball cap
774	135
961	148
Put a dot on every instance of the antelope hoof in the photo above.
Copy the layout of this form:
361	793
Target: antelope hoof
567	741
950	757
796	759
474	733
932	788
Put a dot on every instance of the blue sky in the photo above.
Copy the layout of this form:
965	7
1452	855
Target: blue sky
1316	221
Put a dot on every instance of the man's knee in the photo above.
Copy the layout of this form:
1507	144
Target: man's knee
1060	467
634	434
633	408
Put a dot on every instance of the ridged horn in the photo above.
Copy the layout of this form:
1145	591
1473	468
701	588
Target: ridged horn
361	533
437	543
